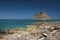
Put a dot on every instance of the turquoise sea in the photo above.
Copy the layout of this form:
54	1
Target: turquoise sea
19	23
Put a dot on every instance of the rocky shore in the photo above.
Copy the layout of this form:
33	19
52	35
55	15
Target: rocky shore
42	31
37	31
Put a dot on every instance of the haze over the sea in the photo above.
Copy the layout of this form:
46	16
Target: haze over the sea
25	9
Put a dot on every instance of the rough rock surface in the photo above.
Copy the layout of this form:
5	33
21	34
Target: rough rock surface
43	32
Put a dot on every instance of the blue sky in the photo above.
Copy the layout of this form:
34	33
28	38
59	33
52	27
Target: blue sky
26	9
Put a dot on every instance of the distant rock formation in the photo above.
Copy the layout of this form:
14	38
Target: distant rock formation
41	16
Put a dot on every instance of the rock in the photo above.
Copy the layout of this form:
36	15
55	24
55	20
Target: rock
56	27
41	16
55	36
42	38
3	32
1	37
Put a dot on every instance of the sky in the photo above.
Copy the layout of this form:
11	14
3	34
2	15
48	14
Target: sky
26	9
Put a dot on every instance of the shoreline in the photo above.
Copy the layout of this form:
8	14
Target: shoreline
31	28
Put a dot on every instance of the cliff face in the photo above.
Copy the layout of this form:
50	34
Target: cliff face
41	16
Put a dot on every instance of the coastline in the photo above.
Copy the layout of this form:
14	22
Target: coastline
31	28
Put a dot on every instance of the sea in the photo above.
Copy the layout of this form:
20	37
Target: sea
19	23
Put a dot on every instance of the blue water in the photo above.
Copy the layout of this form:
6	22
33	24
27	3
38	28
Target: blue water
19	23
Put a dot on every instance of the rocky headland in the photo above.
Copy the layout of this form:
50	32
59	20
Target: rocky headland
37	31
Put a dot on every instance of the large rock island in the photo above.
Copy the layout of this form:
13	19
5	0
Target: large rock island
41	16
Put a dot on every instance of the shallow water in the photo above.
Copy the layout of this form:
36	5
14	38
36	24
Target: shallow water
19	23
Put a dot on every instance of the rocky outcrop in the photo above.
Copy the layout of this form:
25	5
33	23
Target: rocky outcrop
41	16
44	31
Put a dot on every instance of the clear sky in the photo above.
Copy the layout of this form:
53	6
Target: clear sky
25	9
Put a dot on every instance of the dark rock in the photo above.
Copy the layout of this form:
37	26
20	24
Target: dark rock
2	32
56	28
